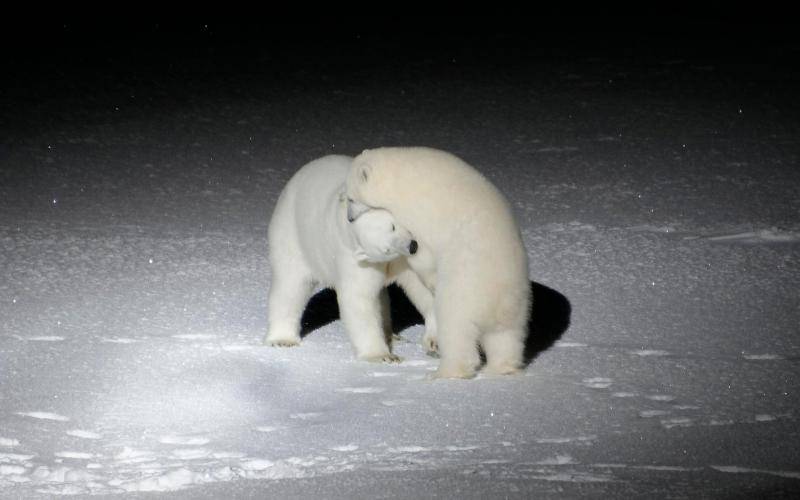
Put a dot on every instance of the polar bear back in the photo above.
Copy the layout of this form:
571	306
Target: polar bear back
306	213
440	198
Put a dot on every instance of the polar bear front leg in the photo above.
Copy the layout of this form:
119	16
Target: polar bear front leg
422	298
288	296
361	312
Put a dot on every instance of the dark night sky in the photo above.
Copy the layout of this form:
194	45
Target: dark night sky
43	59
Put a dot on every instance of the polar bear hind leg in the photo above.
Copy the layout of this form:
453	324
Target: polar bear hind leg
504	352
288	296
458	347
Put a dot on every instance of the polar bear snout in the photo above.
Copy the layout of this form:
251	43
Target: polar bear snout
379	238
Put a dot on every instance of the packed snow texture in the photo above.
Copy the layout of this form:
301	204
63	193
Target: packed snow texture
658	200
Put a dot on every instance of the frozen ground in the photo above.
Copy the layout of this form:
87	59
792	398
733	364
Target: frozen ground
658	195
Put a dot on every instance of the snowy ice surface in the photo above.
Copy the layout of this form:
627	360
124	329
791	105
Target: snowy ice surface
658	202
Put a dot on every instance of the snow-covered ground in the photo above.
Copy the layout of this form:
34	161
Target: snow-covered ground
658	196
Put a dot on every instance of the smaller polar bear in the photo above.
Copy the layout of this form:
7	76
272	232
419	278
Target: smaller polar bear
312	243
471	257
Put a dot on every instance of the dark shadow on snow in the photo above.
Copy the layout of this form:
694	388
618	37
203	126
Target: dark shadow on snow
323	309
550	316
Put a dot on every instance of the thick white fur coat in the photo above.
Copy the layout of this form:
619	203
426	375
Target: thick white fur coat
471	255
312	244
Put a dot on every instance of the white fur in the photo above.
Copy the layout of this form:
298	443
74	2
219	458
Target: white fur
471	255
312	243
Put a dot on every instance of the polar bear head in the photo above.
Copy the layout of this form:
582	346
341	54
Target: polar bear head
378	237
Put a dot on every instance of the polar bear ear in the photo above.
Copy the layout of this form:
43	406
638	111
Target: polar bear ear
363	171
355	209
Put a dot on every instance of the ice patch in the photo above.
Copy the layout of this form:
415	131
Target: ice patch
45	338
267	428
624	395
766	418
772	235
43	415
74	454
577	477
257	464
61	475
305	416
84	434
195	336
650	352
185	440
8	470
597	383
14	457
237	347
762	357
417	362
361	390
8	442
461	448
570	344
170	481
347	447
132	456
556	227
732	469
716	422
118	340
677	422
564	440
660	397
191	453
384	374
653	413
557	460
666	468
409	449
397	402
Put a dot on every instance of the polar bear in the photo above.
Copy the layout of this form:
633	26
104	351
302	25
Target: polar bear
470	256
312	243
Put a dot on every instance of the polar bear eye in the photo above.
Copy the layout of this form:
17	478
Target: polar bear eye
392	227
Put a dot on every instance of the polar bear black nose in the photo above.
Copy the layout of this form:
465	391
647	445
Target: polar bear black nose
412	248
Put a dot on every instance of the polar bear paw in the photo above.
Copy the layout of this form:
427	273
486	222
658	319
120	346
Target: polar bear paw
430	343
281	341
381	358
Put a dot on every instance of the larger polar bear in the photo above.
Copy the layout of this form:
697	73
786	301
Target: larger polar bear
312	243
471	255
